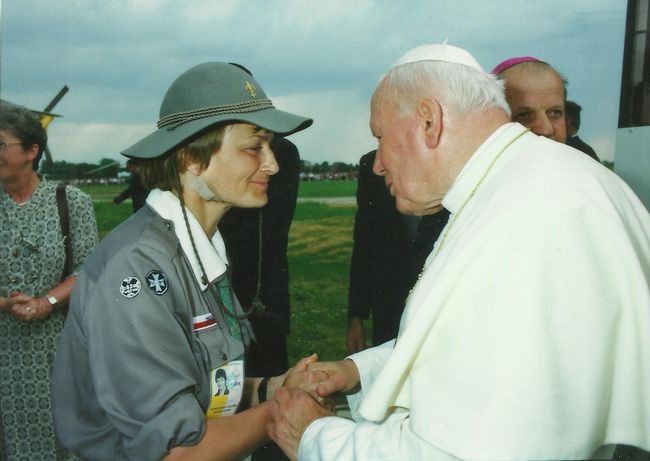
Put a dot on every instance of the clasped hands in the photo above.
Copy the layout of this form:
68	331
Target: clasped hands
25	307
307	395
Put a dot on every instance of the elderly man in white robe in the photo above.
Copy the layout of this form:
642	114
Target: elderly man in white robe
520	340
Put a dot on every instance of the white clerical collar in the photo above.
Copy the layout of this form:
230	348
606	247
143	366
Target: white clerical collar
479	164
212	252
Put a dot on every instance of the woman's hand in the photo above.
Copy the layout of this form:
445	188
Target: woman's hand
300	377
5	303
26	308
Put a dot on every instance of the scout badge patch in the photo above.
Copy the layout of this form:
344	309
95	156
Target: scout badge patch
157	282
130	287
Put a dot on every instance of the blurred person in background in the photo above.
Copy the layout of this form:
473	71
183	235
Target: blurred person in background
136	189
536	94
38	264
573	110
387	256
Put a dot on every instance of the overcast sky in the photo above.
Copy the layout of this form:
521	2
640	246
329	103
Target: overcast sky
317	58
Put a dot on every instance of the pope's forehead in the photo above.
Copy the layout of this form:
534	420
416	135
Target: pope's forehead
380	103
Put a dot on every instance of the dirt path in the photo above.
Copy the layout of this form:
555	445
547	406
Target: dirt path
343	201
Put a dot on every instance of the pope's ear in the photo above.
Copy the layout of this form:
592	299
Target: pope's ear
430	113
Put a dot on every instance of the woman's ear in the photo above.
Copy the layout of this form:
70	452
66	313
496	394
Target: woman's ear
187	164
32	153
430	113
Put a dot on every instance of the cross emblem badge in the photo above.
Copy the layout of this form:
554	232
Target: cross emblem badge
157	282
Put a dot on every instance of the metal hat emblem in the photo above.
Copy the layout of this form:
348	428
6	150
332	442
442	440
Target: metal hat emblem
251	89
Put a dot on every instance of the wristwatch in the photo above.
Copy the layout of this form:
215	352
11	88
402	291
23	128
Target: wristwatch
261	390
52	300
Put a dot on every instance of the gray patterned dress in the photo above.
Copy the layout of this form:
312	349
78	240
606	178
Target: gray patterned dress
32	255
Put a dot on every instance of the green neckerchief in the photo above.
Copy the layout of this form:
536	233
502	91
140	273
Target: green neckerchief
223	289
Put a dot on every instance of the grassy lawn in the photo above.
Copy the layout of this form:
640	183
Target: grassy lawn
327	189
320	245
307	189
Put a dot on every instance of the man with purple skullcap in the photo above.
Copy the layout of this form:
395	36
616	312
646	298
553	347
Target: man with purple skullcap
519	340
536	95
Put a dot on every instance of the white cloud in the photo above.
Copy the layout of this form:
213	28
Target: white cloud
340	132
90	142
119	57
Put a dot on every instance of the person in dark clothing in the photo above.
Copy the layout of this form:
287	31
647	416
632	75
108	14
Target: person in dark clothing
572	117
136	189
260	277
388	254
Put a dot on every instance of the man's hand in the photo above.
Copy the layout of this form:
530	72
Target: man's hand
292	411
342	376
356	337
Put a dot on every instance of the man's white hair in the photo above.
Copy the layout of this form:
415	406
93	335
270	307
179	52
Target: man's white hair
460	87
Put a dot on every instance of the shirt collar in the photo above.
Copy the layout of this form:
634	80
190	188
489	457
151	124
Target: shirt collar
213	252
478	165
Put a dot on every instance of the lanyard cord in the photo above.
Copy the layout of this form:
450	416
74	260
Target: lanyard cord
257	305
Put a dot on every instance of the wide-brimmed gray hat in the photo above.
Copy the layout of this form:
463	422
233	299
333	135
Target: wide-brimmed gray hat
209	94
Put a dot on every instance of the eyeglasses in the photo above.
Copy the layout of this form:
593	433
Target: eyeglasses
5	145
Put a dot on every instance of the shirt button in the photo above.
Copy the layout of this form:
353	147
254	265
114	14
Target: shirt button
222	355
15	253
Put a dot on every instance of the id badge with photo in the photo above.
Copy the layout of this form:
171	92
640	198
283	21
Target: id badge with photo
227	387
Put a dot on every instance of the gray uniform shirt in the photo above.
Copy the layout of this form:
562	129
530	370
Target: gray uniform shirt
132	378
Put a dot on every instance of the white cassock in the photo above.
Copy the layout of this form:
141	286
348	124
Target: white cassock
528	334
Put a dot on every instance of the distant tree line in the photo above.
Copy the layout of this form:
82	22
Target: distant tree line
109	168
62	170
327	167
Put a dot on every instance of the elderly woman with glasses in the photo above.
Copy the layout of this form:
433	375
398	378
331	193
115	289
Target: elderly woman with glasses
37	267
153	318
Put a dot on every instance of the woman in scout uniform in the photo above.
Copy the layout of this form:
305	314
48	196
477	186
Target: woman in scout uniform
153	318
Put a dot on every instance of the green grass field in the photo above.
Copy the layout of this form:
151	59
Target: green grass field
320	245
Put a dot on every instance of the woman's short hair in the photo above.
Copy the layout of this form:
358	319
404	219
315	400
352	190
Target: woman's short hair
160	172
26	126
